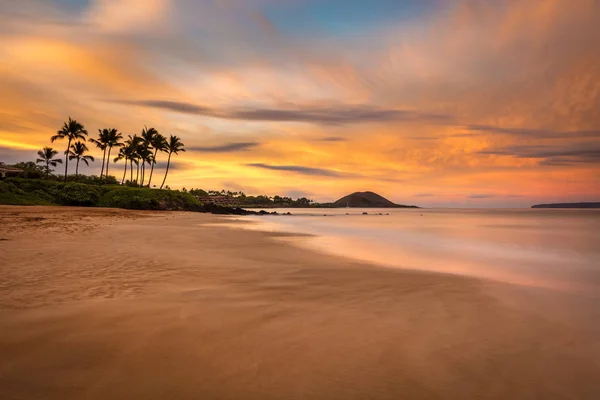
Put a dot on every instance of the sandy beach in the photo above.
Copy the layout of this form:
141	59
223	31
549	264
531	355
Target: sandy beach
115	304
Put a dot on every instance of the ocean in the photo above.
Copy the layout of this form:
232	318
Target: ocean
552	249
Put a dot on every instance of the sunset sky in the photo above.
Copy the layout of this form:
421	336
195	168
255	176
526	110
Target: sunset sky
427	102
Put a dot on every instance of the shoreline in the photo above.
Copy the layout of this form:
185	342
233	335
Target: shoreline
109	303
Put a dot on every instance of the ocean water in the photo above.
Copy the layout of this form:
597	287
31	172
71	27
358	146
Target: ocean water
549	249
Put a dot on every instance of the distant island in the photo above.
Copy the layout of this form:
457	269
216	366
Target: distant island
568	205
367	200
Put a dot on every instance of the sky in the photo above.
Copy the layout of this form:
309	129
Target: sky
439	103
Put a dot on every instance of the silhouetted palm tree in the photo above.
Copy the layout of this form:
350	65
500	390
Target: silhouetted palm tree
77	152
102	144
145	157
107	139
47	157
159	143
174	145
114	140
122	155
132	145
136	161
145	148
71	130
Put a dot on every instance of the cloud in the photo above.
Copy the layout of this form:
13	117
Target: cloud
553	155
535	133
347	114
225	148
127	15
300	170
332	115
481	196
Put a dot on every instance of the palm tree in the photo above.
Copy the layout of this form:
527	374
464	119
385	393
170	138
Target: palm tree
102	144
145	158
77	152
159	143
114	140
71	130
136	161
145	146
47	157
122	155
174	145
107	139
131	148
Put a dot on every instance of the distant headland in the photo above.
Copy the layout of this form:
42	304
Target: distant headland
367	200
568	205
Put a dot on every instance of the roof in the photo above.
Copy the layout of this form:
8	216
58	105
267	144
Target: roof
6	168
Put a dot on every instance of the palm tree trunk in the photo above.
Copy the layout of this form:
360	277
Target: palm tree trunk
124	172
108	161
143	173
131	170
47	168
137	175
103	157
67	159
152	168
77	168
167	171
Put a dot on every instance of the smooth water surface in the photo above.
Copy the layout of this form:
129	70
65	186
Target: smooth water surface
554	249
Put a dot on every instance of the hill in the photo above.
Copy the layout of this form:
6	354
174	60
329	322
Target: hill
567	205
367	200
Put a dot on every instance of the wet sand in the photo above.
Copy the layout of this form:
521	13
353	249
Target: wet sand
114	304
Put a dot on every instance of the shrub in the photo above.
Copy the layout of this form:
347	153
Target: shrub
79	194
149	199
13	195
44	192
92	179
51	188
30	170
129	198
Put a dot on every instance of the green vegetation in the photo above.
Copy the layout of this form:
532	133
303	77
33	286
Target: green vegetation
242	200
149	199
19	191
30	170
14	195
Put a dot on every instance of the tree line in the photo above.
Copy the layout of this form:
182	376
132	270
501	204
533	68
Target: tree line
136	150
258	200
